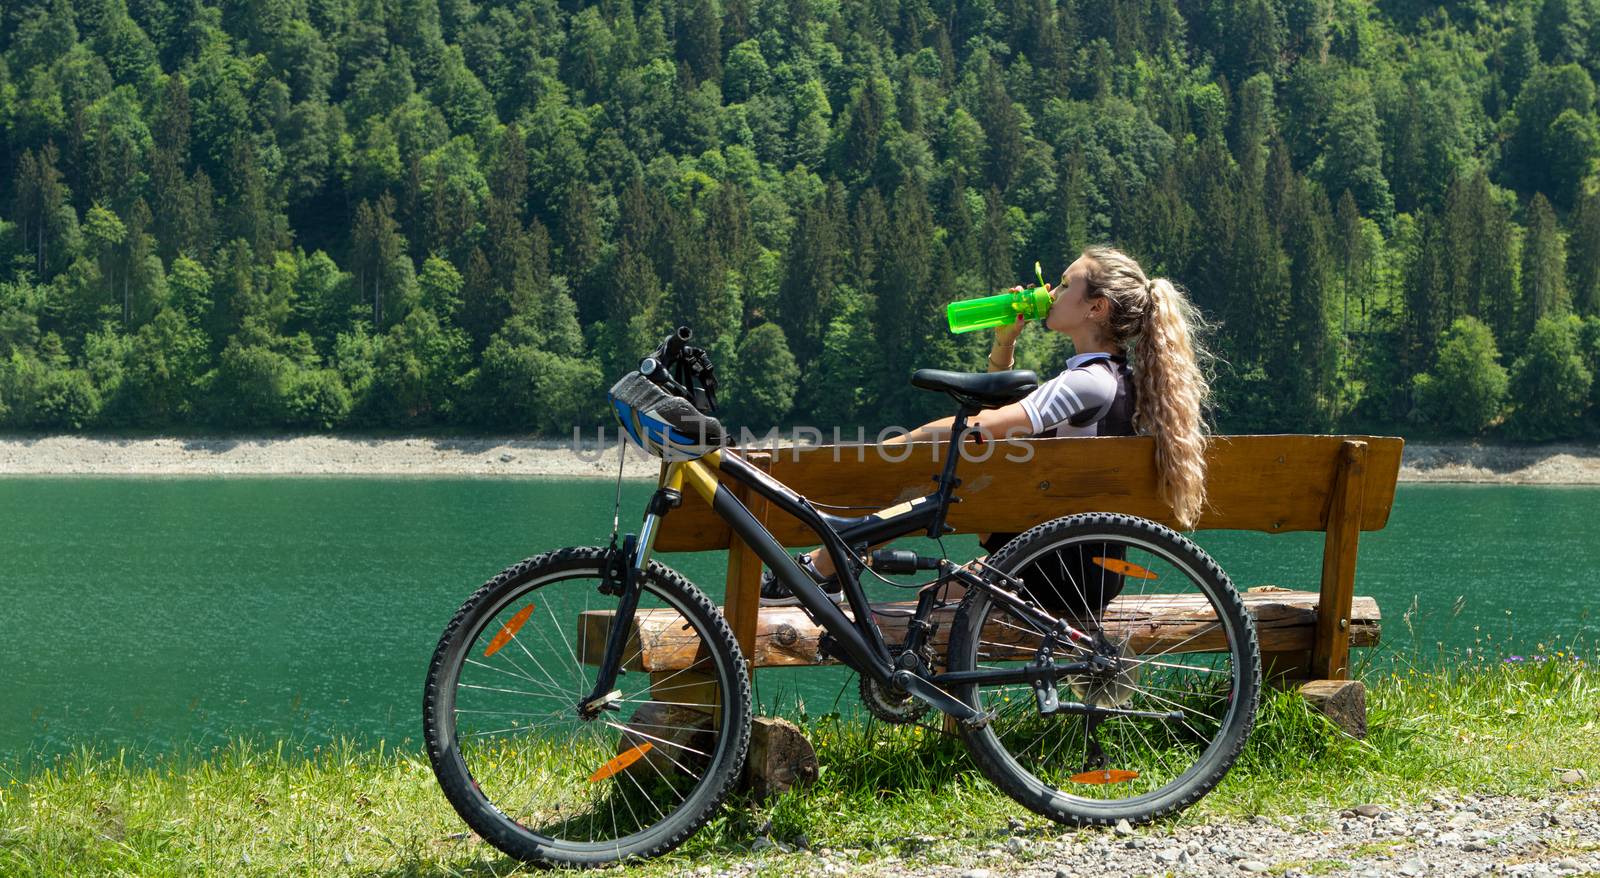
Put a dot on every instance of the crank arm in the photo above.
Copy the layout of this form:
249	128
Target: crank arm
944	701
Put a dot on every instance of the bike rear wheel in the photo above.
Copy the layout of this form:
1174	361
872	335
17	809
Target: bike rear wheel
541	782
1173	639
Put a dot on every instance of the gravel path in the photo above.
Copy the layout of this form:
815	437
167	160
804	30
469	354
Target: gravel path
329	455
1449	836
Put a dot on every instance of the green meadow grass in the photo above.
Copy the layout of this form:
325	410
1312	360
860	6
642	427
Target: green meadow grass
1473	724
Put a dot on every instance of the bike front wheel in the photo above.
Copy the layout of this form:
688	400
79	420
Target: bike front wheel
1171	700
540	779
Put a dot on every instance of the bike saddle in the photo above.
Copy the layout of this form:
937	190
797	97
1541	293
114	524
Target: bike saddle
979	390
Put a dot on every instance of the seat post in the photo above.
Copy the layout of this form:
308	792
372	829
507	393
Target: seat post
947	478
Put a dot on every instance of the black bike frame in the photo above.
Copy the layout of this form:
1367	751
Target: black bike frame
858	642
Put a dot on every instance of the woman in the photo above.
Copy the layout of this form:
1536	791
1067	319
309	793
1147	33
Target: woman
1109	309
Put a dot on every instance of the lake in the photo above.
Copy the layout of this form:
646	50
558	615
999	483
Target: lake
171	612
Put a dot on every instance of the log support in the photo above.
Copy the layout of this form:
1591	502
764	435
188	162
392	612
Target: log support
1342	701
781	758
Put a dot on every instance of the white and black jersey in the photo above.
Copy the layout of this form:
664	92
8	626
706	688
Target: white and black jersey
1093	396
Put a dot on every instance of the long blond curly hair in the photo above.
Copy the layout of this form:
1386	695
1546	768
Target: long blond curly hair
1156	323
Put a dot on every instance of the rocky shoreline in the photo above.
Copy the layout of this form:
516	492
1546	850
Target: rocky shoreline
338	455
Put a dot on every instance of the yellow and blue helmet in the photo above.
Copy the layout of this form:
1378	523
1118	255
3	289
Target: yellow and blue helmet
667	426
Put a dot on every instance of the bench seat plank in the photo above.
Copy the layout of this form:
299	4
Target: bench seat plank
1285	621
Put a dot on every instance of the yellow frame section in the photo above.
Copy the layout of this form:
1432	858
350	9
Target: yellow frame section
698	474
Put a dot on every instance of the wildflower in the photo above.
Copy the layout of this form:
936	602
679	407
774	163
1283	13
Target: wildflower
1515	658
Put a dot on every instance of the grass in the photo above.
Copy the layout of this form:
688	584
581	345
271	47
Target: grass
1477	724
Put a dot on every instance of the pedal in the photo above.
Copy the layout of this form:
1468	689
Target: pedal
982	720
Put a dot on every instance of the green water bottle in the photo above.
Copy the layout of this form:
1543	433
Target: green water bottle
1000	310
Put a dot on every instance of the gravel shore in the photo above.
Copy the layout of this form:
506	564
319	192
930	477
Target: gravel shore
1449	836
331	455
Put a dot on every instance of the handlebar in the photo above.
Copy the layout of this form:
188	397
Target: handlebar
682	370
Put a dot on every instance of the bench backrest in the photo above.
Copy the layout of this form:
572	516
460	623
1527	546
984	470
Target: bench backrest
1274	484
1341	485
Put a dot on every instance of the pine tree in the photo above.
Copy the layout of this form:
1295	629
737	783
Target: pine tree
864	133
1002	129
996	237
1310	345
170	133
906	310
376	247
810	275
700	40
41	198
1544	268
868	226
1350	253
1426	293
1583	256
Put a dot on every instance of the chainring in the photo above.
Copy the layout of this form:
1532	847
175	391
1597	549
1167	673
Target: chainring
889	705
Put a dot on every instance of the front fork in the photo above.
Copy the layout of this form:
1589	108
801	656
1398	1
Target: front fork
623	578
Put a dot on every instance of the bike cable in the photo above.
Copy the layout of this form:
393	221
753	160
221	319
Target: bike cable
616	506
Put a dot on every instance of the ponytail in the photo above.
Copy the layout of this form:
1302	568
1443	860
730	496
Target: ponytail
1171	392
1158	322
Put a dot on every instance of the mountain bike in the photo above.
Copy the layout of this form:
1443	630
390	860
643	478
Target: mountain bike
1098	667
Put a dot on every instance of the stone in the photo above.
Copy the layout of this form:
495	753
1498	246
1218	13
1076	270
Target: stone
1016	846
1462	820
977	873
1063	873
1574	776
507	457
761	844
1015	826
1123	828
1169	855
1413	867
1252	866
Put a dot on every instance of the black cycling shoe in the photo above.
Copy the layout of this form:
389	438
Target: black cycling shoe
775	594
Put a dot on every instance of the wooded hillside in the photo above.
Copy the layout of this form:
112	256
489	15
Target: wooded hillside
324	214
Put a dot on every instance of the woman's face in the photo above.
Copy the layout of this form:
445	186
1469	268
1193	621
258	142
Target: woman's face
1072	311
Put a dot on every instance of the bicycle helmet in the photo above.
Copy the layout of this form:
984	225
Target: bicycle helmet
667	426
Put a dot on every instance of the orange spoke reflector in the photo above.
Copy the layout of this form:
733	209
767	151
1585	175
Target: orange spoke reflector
1104	775
620	761
509	630
1117	565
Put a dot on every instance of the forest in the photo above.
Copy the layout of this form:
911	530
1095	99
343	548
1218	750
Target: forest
474	215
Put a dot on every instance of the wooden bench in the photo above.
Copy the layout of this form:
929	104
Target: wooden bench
1340	485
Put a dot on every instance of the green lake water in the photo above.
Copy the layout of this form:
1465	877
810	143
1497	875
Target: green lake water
157	613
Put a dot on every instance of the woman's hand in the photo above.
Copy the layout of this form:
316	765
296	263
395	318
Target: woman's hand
1002	352
1005	337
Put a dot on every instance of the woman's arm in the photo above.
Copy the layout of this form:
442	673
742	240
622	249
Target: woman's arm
1001	423
997	424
